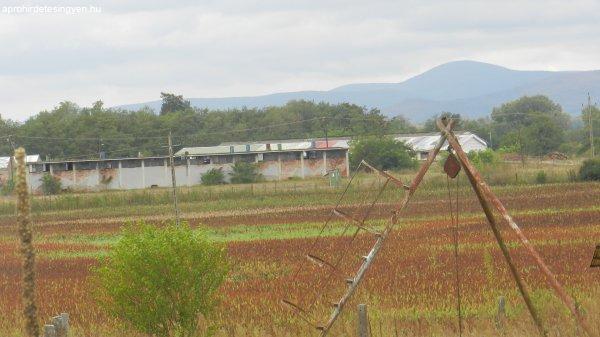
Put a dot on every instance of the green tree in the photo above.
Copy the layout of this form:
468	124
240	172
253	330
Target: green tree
533	124
483	159
430	124
51	184
245	173
172	103
160	280
382	152
214	176
399	124
590	169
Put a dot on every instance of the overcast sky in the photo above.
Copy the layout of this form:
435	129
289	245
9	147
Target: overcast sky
130	52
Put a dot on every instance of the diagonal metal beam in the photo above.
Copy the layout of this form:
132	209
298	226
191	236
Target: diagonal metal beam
339	308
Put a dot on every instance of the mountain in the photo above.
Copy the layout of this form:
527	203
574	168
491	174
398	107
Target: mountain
467	87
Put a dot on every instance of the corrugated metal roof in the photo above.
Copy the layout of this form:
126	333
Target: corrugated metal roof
240	148
34	158
418	142
426	142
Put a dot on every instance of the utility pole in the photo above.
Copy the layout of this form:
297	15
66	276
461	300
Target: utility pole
591	122
173	181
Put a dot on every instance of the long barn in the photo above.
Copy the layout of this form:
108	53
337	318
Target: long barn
275	159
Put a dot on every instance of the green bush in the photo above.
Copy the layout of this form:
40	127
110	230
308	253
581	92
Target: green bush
384	153
51	184
8	187
161	280
482	159
541	178
572	176
590	170
245	173
214	176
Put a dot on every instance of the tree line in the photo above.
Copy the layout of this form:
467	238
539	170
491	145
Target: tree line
531	125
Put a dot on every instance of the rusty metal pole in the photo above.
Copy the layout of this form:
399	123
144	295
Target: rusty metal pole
484	193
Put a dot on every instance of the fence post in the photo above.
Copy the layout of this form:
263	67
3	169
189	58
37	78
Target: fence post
59	327
65	323
501	314
49	330
363	321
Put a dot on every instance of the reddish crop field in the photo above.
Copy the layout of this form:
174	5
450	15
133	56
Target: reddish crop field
410	290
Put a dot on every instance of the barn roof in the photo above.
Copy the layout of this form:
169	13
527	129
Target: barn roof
34	158
418	142
427	141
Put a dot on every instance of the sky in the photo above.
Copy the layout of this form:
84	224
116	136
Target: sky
124	52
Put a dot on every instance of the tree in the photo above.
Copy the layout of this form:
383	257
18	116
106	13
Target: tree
382	152
172	103
542	136
160	280
590	169
431	126
533	124
245	173
51	184
399	124
214	176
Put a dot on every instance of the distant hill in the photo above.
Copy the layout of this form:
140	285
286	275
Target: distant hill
466	87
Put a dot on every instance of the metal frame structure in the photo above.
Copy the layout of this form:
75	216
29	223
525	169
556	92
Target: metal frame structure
488	202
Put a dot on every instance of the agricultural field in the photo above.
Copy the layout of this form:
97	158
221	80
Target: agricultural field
269	228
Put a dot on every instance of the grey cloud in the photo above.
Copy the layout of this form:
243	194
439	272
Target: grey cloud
133	50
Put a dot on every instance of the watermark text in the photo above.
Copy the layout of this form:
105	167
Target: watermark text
40	10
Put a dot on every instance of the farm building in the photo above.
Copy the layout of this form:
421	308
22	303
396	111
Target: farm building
423	143
276	160
7	165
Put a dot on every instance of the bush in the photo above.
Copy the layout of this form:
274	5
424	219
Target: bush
8	187
161	280
214	176
245	173
483	159
572	176
384	153
51	184
541	177
590	170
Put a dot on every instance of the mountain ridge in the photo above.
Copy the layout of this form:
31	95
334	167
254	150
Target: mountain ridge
470	88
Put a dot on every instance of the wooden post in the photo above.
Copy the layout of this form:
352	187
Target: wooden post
65	322
591	122
501	314
475	183
173	181
484	193
363	321
49	330
27	250
369	258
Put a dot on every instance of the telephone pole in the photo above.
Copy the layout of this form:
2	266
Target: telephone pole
173	181
591	122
